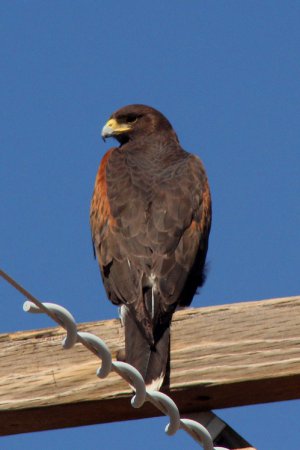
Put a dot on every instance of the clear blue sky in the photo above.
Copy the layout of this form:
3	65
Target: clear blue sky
226	74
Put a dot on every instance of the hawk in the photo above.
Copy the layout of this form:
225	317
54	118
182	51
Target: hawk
150	218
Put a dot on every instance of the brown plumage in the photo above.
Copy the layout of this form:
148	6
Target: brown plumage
150	219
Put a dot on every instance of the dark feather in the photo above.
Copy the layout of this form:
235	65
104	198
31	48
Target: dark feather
150	219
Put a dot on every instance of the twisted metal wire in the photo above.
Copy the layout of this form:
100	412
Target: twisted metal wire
160	400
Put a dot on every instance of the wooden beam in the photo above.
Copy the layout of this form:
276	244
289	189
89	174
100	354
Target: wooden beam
222	356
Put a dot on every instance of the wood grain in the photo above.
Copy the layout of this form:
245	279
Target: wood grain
222	356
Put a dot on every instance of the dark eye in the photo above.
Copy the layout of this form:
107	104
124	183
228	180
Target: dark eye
131	119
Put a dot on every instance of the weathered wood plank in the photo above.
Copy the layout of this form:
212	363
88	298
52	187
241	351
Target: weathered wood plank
229	355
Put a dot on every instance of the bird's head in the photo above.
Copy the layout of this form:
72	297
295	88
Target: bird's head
134	121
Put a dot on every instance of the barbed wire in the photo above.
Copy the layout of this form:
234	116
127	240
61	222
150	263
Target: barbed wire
161	401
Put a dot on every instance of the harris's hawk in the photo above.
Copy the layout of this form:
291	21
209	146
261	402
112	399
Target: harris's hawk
150	219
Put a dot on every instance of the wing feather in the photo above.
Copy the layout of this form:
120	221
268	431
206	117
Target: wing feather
151	223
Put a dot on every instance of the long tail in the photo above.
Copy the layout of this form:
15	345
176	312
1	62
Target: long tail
150	360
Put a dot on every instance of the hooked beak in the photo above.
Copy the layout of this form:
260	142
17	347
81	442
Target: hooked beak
113	128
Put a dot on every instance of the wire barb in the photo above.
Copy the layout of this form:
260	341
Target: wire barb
134	378
101	349
166	405
163	402
63	317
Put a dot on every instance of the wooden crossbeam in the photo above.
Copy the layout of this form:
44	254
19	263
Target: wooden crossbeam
222	356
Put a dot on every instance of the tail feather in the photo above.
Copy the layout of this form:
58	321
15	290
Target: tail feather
158	361
150	360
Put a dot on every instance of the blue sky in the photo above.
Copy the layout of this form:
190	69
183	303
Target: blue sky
226	74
